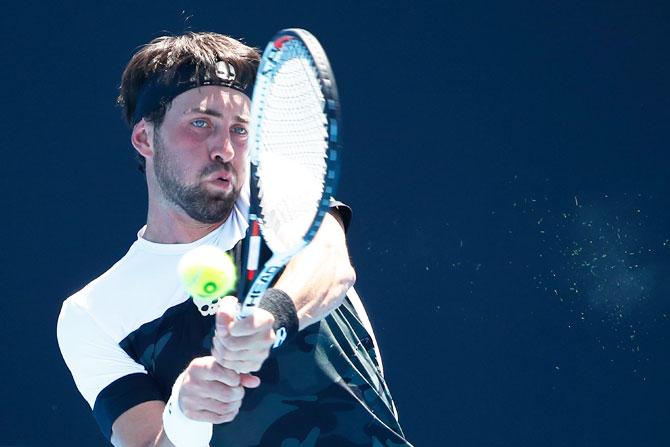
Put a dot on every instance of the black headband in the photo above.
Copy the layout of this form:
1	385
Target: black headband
157	90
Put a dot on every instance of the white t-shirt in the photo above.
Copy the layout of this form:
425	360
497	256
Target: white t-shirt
137	289
130	332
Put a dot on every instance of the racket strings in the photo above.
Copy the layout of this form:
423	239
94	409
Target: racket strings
293	142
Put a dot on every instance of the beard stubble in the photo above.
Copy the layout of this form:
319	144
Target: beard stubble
196	201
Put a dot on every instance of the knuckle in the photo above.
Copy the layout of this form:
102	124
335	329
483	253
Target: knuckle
237	394
228	416
231	394
229	344
253	366
189	413
232	378
242	367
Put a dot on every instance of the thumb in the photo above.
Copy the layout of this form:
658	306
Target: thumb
249	381
225	314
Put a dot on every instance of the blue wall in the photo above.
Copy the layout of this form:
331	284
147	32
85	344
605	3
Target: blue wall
508	170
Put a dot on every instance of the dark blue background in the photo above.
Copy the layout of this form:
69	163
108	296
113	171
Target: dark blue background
507	165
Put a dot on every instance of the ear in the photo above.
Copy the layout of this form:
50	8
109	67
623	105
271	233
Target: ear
142	138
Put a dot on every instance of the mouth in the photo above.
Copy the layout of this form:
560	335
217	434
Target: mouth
221	179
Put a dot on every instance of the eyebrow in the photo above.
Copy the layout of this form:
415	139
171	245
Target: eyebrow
217	114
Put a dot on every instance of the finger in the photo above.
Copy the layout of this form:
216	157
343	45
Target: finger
212	402
248	355
249	381
212	370
225	314
211	417
242	366
193	394
259	320
218	407
257	340
247	360
222	392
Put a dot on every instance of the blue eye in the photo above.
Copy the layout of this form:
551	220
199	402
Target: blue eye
240	130
200	123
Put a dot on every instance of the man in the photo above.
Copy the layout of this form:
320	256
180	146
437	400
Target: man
133	339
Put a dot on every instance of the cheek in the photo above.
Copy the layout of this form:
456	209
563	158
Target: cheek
183	135
190	138
241	165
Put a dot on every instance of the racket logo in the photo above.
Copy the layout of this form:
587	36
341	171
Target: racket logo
271	58
225	71
260	285
280	337
281	41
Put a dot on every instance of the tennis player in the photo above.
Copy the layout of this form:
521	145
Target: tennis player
143	355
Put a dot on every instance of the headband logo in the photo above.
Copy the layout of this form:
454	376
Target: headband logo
225	71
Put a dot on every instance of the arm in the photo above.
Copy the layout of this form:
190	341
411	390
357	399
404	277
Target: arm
316	279
125	400
141	426
209	393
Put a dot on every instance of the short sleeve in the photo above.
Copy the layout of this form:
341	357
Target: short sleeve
109	380
343	210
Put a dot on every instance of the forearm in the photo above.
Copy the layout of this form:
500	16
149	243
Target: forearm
205	393
318	278
141	426
161	440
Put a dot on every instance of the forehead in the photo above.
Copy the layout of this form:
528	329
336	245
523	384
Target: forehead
216	98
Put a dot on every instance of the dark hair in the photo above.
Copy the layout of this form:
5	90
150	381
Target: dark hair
164	56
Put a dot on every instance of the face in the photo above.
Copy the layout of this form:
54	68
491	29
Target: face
200	152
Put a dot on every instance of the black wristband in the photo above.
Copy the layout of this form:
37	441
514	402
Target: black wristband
281	306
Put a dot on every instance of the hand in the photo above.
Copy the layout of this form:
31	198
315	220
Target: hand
242	345
212	393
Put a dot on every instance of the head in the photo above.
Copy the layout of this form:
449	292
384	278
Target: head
187	99
191	58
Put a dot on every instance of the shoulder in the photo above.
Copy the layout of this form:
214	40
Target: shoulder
94	321
136	289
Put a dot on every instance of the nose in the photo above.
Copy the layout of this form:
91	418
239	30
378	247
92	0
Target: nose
222	149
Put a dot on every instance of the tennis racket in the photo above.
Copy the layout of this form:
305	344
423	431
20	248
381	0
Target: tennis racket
294	154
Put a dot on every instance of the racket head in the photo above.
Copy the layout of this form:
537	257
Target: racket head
294	145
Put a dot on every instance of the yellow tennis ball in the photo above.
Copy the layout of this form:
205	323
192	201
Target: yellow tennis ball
207	272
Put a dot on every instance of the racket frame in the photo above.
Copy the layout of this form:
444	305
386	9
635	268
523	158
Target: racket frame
253	284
